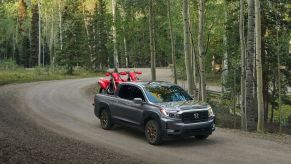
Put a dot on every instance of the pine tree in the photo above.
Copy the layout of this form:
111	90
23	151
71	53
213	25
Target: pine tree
33	60
101	30
74	52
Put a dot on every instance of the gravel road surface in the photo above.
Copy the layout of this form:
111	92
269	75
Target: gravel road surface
25	138
53	122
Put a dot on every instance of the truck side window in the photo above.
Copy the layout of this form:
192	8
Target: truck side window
136	93
130	92
124	92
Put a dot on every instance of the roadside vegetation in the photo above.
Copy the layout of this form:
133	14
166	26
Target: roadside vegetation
12	73
228	114
227	105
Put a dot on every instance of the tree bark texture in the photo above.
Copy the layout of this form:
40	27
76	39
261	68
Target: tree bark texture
61	25
260	101
243	62
225	53
152	41
116	63
172	42
187	47
201	50
250	79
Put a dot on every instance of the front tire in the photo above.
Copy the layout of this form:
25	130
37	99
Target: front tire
105	120
153	132
202	137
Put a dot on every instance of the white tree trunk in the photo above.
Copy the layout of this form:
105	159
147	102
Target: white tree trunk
225	54
125	49
45	33
15	41
193	57
152	41
250	80
279	81
39	34
116	63
172	42
87	32
260	126
124	36
201	50
243	61
51	42
60	25
187	48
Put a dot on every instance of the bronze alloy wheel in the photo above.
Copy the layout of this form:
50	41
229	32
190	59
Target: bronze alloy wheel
152	132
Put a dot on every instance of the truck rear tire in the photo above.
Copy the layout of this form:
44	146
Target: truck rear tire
153	132
105	119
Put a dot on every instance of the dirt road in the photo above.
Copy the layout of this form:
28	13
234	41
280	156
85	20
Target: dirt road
54	122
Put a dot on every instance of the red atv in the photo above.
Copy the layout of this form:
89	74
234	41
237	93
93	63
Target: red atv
110	85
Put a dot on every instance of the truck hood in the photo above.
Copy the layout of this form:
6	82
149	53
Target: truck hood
183	105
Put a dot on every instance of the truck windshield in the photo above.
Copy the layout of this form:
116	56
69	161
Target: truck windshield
165	93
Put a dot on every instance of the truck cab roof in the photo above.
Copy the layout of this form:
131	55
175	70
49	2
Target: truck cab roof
149	83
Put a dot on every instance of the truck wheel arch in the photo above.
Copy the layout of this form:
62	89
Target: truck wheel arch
151	116
101	106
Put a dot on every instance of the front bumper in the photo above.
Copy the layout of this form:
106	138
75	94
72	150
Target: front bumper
172	128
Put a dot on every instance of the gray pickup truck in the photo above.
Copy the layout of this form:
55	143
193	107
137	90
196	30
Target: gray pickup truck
159	109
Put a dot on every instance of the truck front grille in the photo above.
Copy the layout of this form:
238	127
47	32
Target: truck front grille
193	117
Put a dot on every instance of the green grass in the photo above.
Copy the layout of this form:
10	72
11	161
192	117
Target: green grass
22	75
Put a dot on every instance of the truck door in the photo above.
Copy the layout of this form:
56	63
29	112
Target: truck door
130	111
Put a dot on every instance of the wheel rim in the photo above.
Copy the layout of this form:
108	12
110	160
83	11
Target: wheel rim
104	119
151	132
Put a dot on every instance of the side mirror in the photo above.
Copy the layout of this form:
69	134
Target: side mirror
137	100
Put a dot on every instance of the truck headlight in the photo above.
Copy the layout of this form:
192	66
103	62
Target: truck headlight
172	114
210	112
164	112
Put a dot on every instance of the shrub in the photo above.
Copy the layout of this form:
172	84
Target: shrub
8	64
